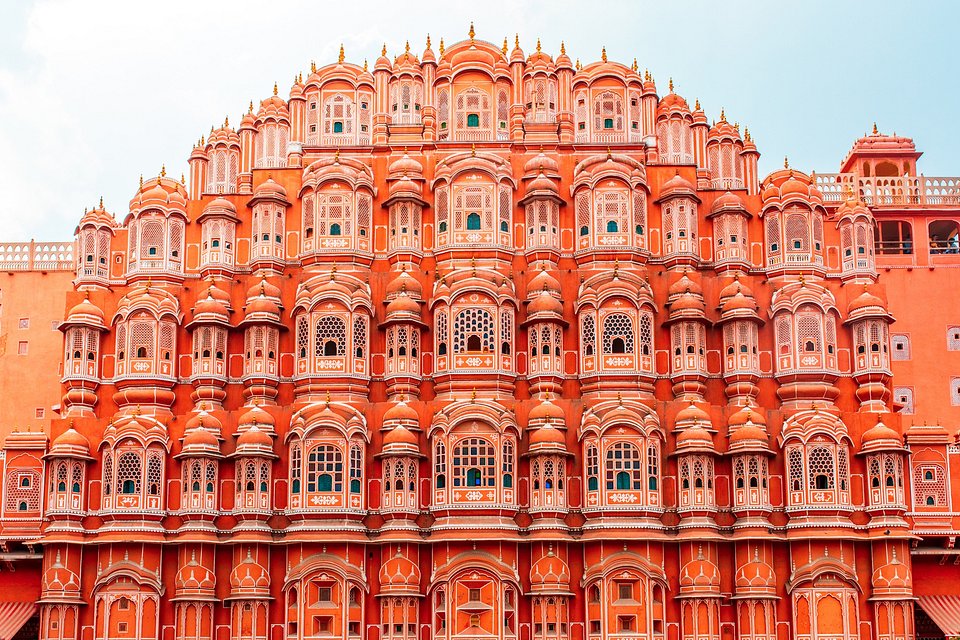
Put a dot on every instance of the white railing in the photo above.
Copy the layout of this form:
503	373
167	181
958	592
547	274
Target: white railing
37	256
879	191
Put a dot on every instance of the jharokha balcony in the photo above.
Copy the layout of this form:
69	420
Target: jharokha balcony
890	191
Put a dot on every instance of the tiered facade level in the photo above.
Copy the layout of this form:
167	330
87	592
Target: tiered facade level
478	344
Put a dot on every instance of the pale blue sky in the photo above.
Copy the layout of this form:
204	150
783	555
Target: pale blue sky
94	93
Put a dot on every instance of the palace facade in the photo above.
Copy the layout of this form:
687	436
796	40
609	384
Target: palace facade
475	344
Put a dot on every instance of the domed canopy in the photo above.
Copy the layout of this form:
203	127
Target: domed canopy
692	415
198	441
684	285
541	164
548	439
270	190
194	581
880	437
867	305
400	576
700	575
401	413
550	574
249	578
85	314
694	439
728	203
547	411
256	417
404	282
70	444
756	578
254	441
219	207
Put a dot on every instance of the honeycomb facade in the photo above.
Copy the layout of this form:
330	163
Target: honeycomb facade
476	344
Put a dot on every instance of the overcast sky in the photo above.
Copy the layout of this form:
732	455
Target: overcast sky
93	94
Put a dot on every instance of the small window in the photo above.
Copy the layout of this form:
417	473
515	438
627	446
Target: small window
608	123
24	323
474	595
22	348
894	237
473	222
473	120
944	237
901	346
338	127
904	397
955	392
625	591
40	413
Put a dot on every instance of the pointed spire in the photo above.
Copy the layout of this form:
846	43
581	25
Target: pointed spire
670	85
635	67
365	64
274	88
538	45
723	115
163	171
786	162
340	58
313	67
504	49
875	132
428	41
101	202
471	33
441	45
383	52
226	121
603	54
696	105
563	48
250	106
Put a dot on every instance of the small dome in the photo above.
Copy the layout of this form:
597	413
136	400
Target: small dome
747	414
403	304
865	300
793	186
405	165
542	183
70	443
545	304
204	420
270	189
400	435
881	437
727	202
257	417
748	433
547	436
262	305
687	302
694	437
254	437
700	575
735	286
756	576
249	578
672	102
198	437
193	577
684	285
738	302
265	288
404	282
400	575
548	411
402	412
541	164
210	306
540	281
550	572
220	206
86	308
692	414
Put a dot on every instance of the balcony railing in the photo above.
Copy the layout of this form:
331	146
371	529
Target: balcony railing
37	256
878	191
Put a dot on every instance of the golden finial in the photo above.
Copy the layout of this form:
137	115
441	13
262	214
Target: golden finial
163	171
670	85
340	58
183	180
635	67
473	396
141	180
203	141
578	64
365	64
723	115
313	66
538	45
328	398
875	132
471	33
336	155
274	88
226	121
441	45
101	202
407	49
504	49
696	105
383	52
473	150
746	134
428	41
609	153
603	54
619	399
563	48
786	162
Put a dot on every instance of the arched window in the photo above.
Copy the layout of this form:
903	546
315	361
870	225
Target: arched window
331	336
474	463
324	469
473	331
618	334
624	466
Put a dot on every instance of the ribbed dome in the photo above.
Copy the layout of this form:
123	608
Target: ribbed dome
547	410
694	437
684	285
270	189
404	282
254	437
257	416
545	304
402	412
405	165
204	420
540	164
400	435
692	414
547	435
403	304
70	443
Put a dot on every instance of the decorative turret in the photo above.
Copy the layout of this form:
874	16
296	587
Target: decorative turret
404	327
261	326
869	321
82	332
688	339
741	322
549	457
545	324
94	234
